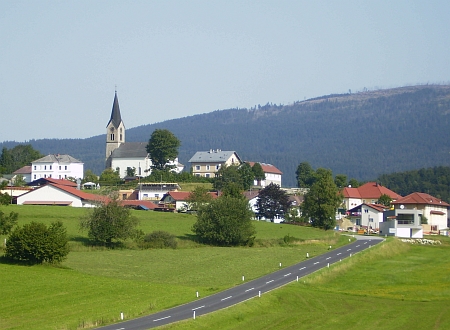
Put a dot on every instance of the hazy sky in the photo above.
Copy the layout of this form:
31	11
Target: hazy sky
61	60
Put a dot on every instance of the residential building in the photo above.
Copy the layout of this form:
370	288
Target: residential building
272	174
61	195
402	222
434	209
153	191
177	200
57	166
367	216
207	163
368	193
25	172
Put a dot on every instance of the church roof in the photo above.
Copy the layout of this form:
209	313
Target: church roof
131	150
116	119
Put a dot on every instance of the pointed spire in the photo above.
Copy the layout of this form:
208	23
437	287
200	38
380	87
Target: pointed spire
115	113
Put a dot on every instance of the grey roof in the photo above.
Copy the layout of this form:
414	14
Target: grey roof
131	150
213	156
116	119
57	159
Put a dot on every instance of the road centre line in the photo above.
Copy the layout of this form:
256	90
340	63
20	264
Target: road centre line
198	307
302	268
269	281
226	298
339	253
349	249
328	258
316	263
287	274
162	318
249	290
358	245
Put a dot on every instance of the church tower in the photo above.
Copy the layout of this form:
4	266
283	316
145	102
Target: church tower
115	131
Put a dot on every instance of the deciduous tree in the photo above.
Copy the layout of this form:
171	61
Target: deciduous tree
7	222
322	200
225	175
272	202
17	157
258	172
162	147
109	222
198	197
35	243
226	221
305	174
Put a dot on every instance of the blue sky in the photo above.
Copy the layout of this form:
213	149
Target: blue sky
60	61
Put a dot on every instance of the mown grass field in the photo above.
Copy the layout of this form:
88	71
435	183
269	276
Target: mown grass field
391	286
94	284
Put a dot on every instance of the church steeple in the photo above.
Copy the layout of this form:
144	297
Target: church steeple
116	119
115	131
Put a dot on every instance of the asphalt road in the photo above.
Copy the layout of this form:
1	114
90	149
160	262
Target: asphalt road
247	290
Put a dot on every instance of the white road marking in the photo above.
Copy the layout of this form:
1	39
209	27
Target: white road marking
198	307
328	258
162	318
269	281
357	245
302	268
339	253
226	298
287	274
349	249
249	290
365	242
316	263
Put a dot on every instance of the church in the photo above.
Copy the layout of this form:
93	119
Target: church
121	155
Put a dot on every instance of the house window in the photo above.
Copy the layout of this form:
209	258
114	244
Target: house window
207	175
60	168
60	176
405	219
49	175
112	137
45	175
45	167
197	174
50	167
35	167
207	167
65	167
358	222
35	176
65	176
197	167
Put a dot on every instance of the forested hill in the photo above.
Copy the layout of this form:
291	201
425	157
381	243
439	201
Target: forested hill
362	135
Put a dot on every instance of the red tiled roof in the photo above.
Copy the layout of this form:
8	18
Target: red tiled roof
61	182
267	168
250	194
421	198
370	190
81	194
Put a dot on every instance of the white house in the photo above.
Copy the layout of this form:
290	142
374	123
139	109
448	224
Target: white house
57	167
402	223
61	195
272	174
368	193
153	191
25	172
368	216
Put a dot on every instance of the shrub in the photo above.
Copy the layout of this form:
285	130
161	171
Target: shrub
35	243
159	240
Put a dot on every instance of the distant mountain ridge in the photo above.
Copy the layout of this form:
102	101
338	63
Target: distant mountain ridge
362	135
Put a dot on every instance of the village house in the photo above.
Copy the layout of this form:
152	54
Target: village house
272	174
368	193
58	167
207	163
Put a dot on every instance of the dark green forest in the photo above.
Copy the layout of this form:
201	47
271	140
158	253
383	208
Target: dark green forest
362	135
434	181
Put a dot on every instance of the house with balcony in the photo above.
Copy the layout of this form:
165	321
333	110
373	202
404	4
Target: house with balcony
207	163
433	209
367	216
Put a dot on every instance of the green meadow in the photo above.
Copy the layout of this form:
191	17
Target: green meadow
391	286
